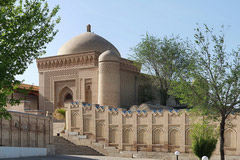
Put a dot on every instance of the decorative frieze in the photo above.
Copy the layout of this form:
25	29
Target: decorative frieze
79	60
74	60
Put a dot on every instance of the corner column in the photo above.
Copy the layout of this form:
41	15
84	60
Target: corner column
68	118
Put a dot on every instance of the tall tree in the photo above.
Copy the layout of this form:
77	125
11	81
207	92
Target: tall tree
25	29
212	81
162	58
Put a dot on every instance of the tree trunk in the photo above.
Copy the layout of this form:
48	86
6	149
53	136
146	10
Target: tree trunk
222	128
163	96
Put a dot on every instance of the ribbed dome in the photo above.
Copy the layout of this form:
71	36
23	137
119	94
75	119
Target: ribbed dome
108	56
87	42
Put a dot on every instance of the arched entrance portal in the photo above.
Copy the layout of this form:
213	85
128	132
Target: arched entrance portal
65	95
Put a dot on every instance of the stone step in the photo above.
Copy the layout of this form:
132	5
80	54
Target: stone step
65	147
87	142
98	146
84	142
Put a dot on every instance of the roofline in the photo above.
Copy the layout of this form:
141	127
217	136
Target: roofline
29	86
65	55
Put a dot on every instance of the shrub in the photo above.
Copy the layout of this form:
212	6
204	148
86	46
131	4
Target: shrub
204	139
59	113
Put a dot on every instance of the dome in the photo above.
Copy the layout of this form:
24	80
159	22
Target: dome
108	56
87	42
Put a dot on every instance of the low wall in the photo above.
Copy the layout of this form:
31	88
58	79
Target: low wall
13	152
27	130
157	130
58	127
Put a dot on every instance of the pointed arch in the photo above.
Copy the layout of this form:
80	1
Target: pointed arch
113	135
65	95
157	136
230	138
100	129
188	140
141	137
86	124
174	137
127	136
74	118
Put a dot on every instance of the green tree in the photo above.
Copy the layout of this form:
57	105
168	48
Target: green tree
25	29
59	113
204	139
161	58
212	81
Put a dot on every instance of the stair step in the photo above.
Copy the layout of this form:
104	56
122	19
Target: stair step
65	147
82	140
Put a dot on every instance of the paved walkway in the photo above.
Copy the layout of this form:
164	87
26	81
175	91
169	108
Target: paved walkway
74	157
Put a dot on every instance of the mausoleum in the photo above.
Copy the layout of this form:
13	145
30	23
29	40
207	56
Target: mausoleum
87	68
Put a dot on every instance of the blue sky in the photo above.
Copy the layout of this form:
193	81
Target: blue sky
123	22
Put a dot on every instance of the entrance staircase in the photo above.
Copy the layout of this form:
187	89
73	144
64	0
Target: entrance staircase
82	140
65	147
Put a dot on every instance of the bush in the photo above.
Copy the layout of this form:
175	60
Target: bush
204	139
59	113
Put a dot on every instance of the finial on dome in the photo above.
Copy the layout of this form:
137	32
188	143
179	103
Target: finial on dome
88	28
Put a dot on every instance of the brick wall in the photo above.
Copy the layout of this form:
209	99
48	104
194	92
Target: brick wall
159	131
27	102
26	130
128	87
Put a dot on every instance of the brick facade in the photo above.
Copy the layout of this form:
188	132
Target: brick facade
78	74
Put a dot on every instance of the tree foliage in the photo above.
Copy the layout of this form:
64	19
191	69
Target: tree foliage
25	29
212	80
59	113
162	58
204	139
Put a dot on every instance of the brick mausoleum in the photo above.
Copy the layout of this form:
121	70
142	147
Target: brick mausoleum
87	68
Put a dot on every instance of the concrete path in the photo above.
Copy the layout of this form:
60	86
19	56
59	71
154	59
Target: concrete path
74	157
